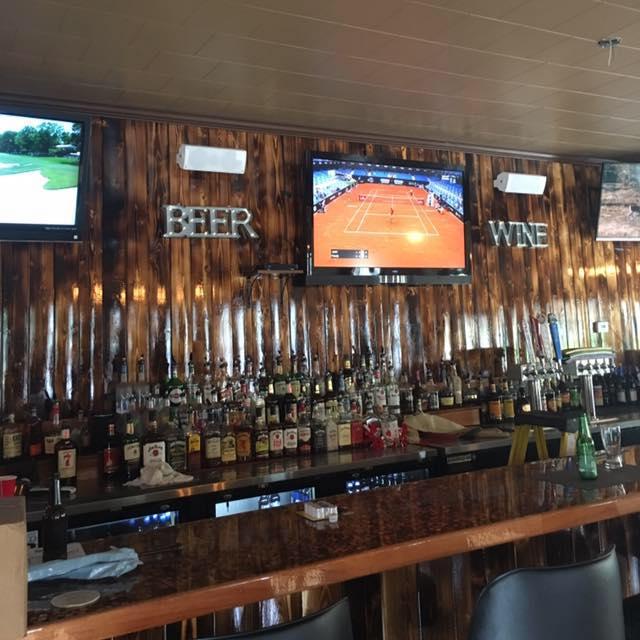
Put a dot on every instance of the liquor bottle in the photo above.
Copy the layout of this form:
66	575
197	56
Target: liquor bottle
279	379
244	441
290	424
276	434
54	526
611	382
154	448
53	437
508	403
66	454
124	370
318	407
272	405
347	371
194	445
228	453
456	384
319	436
344	431
494	401
433	395
621	390
598	390
174	389
419	399
565	394
357	428
331	400
371	420
586	451
141	368
393	394
607	397
36	440
11	440
304	435
550	398
576	397
524	402
446	397
331	428
318	378
632	388
112	454
294	376
261	432
176	446
131	453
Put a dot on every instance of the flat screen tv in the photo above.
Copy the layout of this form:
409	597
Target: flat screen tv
42	158
619	214
374	220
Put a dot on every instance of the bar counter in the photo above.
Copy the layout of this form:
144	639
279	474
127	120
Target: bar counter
198	567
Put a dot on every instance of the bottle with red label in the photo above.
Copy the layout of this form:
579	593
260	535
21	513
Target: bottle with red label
112	454
66	454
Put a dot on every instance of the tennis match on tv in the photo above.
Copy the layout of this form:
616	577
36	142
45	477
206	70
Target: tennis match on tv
385	216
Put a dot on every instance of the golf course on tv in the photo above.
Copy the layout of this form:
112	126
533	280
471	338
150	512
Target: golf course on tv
60	173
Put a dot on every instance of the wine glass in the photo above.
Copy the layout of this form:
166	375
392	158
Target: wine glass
612	442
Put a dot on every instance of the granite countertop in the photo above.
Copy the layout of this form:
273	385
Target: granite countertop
193	568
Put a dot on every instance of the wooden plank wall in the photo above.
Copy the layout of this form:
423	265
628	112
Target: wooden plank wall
69	310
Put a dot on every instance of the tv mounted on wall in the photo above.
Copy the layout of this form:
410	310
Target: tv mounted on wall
619	213
374	220
42	158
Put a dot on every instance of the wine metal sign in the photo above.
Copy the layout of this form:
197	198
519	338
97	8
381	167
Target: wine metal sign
207	222
534	235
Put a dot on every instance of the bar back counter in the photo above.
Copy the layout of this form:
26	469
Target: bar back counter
411	557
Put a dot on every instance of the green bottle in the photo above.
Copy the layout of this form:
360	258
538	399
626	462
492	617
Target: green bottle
586	451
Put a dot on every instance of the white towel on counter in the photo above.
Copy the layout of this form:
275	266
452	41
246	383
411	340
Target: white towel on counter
157	475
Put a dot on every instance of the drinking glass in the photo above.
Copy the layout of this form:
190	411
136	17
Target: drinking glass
612	442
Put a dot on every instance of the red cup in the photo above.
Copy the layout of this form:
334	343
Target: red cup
7	486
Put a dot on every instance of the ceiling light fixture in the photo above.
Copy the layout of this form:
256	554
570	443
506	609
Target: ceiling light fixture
610	43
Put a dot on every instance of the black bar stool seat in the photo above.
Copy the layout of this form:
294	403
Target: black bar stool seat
332	623
581	601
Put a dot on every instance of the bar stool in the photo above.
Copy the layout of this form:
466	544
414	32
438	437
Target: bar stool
536	421
334	622
581	601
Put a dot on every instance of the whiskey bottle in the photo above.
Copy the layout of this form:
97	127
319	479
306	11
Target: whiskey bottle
261	432
494	401
212	441
131	453
244	441
194	446
228	453
276	435
319	436
66	454
11	440
279	379
52	438
154	448
36	440
112	454
54	526
508	403
176	446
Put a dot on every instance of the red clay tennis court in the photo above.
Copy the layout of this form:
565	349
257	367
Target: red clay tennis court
399	226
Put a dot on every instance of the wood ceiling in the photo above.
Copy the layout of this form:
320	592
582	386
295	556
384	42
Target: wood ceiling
509	74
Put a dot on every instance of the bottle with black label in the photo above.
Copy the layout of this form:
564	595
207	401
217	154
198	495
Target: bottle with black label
524	402
54	526
67	458
494	400
131	453
176	447
598	390
112	454
228	452
261	432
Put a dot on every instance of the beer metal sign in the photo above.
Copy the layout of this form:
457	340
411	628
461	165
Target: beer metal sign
207	222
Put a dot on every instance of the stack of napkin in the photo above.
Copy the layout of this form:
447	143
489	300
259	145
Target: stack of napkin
157	475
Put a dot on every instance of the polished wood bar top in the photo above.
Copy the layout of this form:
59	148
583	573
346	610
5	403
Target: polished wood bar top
208	565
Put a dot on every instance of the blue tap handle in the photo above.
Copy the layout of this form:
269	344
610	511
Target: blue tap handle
555	335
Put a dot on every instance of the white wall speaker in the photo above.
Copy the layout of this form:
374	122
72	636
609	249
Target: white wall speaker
520	183
216	159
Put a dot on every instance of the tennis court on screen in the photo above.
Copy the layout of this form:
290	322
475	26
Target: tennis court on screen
399	226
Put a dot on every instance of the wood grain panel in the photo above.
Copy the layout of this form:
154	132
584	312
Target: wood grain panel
69	312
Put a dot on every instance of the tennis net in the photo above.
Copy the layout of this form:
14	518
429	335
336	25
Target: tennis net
400	201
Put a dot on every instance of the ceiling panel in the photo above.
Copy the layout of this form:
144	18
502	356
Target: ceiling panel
523	74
